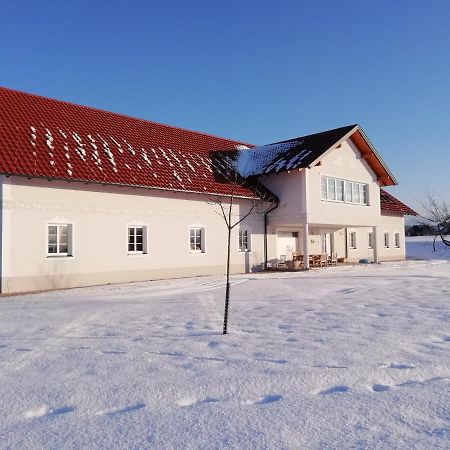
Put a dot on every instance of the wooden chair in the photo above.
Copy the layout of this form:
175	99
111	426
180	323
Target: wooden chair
333	259
323	260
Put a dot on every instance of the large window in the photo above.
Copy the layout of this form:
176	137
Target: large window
59	240
197	240
336	190
244	241
137	239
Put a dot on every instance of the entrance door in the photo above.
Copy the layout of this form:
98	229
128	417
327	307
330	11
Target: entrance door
287	242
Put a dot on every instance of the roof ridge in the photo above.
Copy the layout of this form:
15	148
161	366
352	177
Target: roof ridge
123	115
314	134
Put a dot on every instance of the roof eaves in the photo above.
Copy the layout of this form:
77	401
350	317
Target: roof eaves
380	159
134	186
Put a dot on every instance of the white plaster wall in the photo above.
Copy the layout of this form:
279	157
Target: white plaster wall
100	215
290	189
392	224
362	250
345	163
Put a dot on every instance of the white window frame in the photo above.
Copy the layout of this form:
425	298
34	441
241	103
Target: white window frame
202	249
397	240
352	240
134	226
351	190
248	238
370	240
386	239
70	234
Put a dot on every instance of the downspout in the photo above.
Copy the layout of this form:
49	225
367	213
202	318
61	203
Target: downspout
265	231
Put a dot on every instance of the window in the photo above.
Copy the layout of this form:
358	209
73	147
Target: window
137	239
244	241
370	240
386	240
197	240
336	190
59	240
397	240
352	239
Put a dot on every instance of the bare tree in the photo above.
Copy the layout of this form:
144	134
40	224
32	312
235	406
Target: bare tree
225	166
437	212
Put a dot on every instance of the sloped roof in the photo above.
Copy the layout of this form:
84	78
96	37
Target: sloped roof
391	205
42	137
306	151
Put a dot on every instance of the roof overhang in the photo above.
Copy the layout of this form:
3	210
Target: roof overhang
371	156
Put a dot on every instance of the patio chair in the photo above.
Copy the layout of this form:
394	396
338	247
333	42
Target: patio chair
333	260
323	260
281	262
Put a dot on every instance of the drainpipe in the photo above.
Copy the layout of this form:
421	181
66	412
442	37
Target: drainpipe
265	232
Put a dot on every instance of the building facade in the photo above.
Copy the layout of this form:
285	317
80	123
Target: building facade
91	197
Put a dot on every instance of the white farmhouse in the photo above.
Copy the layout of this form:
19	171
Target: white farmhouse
92	197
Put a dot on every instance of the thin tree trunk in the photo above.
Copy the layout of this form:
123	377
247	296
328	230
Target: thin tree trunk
227	289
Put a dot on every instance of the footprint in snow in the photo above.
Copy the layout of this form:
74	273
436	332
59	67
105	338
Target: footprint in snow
24	350
400	366
127	409
191	401
213	344
273	361
264	400
380	388
45	410
445	339
335	390
113	352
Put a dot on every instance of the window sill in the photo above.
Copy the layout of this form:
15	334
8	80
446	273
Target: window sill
137	254
198	252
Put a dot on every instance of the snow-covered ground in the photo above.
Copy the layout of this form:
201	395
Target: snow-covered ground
345	357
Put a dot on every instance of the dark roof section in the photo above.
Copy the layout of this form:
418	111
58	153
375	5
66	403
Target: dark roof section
290	154
306	151
391	205
52	139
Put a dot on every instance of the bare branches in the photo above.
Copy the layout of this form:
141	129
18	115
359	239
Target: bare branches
435	211
438	212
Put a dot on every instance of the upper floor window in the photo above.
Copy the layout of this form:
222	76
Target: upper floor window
244	241
197	240
59	239
137	239
337	190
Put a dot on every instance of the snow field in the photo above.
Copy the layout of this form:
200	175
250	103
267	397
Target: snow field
343	357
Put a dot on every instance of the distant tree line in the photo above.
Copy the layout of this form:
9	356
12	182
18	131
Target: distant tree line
420	230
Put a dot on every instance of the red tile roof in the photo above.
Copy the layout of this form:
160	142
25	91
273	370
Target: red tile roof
391	205
42	137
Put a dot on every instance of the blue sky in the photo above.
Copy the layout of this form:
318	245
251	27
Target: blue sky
258	71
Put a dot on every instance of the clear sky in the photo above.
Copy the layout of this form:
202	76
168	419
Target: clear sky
258	71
